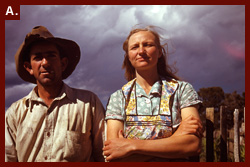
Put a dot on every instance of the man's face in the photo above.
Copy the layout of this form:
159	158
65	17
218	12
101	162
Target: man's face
45	64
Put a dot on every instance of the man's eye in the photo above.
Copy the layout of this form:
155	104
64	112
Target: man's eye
38	58
51	55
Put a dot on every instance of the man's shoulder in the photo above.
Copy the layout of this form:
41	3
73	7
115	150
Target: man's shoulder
18	105
77	93
82	91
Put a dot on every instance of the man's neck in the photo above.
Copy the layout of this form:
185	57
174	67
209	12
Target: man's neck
49	93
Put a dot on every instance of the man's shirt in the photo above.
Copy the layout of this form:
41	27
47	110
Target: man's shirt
71	129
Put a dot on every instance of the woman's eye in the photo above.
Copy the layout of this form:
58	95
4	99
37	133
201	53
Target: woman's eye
149	44
134	47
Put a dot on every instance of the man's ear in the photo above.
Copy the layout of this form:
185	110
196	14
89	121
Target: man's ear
27	66
64	62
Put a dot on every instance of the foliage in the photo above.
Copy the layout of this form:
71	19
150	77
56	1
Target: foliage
212	96
242	153
234	101
203	150
215	97
217	151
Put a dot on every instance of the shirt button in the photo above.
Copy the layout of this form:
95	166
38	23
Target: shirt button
147	101
48	134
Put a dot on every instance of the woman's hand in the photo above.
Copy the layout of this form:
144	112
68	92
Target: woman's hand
117	148
190	125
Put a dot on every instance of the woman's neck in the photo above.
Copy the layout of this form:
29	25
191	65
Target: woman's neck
146	80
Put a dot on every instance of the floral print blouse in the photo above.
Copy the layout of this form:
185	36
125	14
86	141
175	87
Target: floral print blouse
176	94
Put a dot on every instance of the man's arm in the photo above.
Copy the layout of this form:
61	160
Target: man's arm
10	146
98	130
183	143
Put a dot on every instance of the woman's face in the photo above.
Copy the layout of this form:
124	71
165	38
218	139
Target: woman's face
143	52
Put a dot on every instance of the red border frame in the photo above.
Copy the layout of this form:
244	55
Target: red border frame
15	4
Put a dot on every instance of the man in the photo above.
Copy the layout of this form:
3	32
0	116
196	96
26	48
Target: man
53	122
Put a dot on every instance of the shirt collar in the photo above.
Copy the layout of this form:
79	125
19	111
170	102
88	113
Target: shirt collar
65	92
170	86
156	89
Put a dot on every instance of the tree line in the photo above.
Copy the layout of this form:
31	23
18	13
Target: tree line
216	97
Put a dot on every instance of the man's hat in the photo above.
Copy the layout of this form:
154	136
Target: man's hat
69	48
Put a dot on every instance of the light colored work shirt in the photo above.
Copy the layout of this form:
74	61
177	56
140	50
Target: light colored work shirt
71	129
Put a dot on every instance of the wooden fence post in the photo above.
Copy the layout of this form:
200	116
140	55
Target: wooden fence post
209	134
223	134
236	136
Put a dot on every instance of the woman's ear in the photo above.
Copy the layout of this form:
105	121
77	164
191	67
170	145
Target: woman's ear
64	62
28	67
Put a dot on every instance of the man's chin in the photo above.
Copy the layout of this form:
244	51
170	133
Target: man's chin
47	82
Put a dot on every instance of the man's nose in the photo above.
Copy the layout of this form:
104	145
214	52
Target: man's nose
44	61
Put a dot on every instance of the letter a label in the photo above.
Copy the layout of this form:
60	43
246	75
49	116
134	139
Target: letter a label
9	11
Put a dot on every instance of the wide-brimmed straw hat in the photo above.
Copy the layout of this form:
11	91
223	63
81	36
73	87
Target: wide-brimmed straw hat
69	48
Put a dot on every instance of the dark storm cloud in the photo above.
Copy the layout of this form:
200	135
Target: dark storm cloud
209	43
210	47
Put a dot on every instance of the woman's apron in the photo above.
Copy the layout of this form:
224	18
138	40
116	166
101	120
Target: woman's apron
148	126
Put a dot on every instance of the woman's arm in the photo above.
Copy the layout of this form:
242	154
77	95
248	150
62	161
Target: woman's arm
114	131
113	127
191	123
182	144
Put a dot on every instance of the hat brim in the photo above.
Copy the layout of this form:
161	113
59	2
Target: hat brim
69	48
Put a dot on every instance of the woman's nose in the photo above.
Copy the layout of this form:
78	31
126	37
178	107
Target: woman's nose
141	50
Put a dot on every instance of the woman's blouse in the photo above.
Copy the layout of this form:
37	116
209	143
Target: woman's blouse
183	96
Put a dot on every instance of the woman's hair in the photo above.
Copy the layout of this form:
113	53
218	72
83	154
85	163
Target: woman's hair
162	67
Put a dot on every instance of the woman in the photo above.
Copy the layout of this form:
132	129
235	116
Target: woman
154	117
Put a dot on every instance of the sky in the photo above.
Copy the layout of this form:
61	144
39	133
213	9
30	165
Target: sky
207	43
